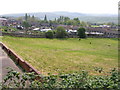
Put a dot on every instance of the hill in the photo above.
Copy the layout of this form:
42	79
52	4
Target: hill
94	18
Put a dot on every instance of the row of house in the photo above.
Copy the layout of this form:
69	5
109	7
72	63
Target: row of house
3	21
91	32
102	31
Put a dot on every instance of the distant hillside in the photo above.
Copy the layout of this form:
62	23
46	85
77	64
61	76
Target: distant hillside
94	18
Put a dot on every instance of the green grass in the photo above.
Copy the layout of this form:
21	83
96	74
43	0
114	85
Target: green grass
95	26
66	55
3	28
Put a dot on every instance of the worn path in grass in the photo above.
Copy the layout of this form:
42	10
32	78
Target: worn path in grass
6	62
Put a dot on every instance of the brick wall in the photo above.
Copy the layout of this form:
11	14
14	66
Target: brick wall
19	61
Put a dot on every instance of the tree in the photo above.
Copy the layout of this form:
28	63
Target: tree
33	16
45	18
26	17
25	24
49	34
70	22
19	19
66	19
29	16
81	33
60	32
77	21
83	24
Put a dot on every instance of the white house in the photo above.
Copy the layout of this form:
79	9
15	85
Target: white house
2	20
71	31
45	30
36	29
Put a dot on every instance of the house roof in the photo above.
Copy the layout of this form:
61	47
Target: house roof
35	29
3	19
45	30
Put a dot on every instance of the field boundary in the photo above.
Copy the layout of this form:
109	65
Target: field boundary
105	35
19	61
33	35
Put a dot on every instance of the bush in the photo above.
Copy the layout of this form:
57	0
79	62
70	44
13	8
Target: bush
60	32
7	28
81	33
75	80
49	34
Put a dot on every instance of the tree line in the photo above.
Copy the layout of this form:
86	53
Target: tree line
60	31
60	20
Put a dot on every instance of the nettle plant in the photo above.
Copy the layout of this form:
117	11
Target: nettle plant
75	80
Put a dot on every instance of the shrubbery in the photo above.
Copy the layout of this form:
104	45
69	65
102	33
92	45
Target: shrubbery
60	32
49	34
76	80
7	29
81	33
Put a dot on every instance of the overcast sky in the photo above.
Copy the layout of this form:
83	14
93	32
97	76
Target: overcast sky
82	6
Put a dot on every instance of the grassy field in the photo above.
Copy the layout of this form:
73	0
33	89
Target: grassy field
66	56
